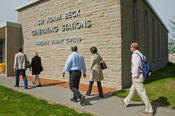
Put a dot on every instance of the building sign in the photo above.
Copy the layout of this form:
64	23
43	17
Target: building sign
76	25
58	42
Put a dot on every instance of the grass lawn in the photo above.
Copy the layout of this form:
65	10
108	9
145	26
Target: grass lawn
13	103
160	87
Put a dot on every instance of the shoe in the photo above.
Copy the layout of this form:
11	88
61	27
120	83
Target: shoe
123	103
74	100
26	87
101	96
33	82
82	100
16	86
148	113
87	94
39	85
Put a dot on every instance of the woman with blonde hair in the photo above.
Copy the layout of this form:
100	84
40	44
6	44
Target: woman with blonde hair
36	67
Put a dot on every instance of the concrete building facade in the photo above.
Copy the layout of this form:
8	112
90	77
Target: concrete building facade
50	27
10	41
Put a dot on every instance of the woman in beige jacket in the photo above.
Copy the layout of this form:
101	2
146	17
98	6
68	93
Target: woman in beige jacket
96	73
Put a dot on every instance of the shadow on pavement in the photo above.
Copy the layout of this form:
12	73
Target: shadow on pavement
44	85
97	98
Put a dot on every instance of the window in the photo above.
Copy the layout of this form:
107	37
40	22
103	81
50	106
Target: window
158	41
2	51
135	19
146	33
162	43
153	39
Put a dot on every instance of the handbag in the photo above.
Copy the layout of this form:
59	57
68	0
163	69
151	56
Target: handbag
27	64
41	68
103	65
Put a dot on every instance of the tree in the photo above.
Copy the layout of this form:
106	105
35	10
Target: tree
171	39
172	25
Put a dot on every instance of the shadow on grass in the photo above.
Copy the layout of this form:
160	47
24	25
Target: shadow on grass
162	77
164	73
161	101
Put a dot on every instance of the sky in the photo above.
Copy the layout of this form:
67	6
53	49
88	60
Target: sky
7	10
164	8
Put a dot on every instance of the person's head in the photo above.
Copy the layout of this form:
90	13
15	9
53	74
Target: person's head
134	46
35	53
93	50
74	48
20	50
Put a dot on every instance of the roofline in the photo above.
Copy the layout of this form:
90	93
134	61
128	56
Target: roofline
10	24
29	3
152	8
32	2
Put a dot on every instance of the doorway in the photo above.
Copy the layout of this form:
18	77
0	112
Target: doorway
2	51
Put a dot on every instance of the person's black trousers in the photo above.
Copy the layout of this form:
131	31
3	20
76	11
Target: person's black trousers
74	80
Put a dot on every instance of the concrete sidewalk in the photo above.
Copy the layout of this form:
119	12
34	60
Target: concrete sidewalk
107	106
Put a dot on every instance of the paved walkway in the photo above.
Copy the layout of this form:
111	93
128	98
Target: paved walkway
108	106
64	84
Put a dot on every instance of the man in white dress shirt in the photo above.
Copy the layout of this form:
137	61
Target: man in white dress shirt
75	65
137	80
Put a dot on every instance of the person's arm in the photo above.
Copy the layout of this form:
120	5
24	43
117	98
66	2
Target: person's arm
67	65
83	67
15	63
31	64
92	62
135	65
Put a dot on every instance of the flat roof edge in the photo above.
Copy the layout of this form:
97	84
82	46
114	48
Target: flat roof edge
2	25
152	8
36	1
10	24
27	4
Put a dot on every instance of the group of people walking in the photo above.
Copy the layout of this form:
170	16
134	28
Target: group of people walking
21	63
75	64
76	67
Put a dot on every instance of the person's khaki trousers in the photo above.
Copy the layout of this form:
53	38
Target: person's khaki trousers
37	78
139	87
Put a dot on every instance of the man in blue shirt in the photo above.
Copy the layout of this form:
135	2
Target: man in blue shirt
74	65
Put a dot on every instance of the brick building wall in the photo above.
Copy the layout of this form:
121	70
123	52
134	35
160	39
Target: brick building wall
110	25
104	33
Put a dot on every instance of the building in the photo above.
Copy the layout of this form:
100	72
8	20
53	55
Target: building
10	34
50	27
